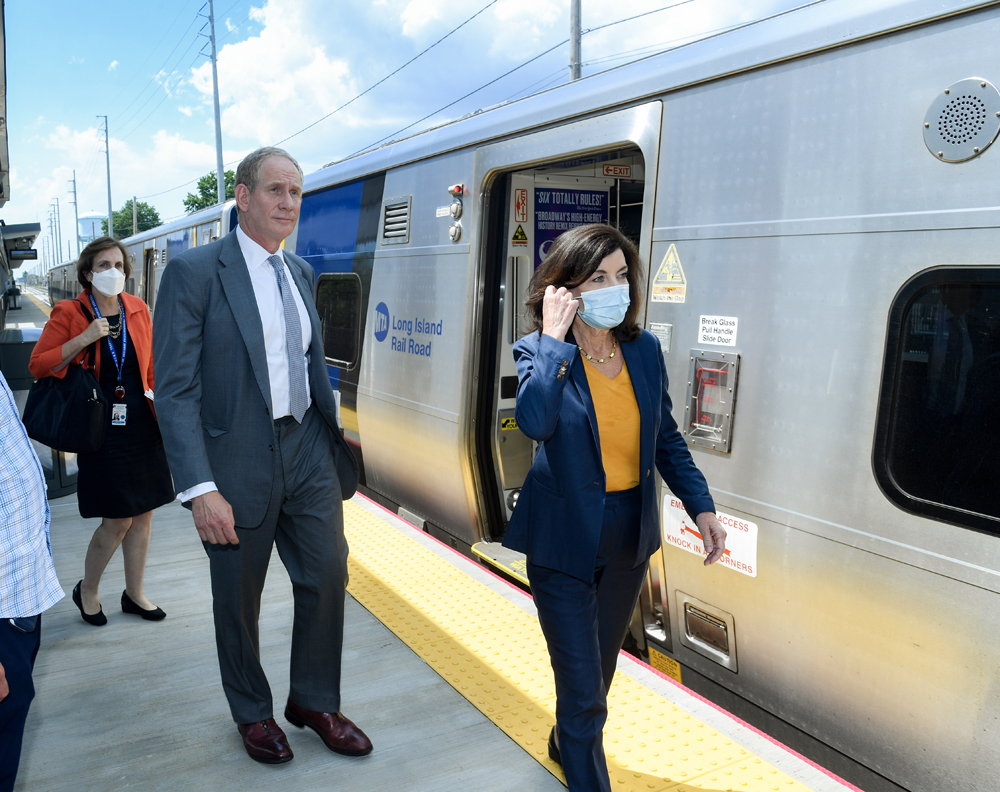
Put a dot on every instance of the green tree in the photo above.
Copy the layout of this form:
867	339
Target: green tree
146	218
208	191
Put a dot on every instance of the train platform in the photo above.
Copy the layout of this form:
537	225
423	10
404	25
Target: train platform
444	667
34	310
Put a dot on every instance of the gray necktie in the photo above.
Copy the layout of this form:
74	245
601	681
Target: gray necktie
293	343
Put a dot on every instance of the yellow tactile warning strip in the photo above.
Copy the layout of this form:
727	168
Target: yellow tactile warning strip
41	306
493	653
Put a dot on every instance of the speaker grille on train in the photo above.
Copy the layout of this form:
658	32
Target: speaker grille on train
396	221
963	121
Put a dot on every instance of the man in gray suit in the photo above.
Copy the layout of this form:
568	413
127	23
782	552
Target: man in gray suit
249	423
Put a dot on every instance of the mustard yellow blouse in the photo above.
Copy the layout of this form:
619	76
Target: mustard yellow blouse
617	426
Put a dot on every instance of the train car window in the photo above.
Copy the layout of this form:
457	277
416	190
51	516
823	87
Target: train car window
338	300
937	448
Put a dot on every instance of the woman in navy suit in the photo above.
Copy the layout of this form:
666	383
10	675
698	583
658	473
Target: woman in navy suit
592	391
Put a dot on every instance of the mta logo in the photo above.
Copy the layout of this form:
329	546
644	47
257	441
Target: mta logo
381	321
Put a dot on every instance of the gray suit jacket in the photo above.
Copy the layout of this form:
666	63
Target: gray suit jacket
213	395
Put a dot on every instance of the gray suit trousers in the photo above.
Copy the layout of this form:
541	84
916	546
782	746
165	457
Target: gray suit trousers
306	522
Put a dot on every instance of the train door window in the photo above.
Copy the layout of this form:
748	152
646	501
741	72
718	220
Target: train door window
937	448
338	300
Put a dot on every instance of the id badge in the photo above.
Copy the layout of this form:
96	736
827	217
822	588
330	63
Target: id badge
118	413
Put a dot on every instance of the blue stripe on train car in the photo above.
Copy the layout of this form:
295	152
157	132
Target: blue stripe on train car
328	232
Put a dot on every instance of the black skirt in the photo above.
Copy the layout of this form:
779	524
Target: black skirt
129	475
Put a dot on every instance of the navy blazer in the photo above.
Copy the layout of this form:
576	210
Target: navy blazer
559	513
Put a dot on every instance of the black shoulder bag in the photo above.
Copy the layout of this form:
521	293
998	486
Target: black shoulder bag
68	413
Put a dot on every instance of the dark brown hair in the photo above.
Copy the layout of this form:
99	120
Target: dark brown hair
85	263
574	257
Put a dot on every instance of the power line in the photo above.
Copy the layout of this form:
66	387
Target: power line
156	107
149	55
234	29
376	85
516	68
367	90
637	16
153	80
164	85
477	90
711	35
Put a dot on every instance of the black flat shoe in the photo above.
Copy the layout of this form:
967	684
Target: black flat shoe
149	615
554	748
98	619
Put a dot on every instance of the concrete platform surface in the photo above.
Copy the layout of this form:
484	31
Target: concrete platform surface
139	705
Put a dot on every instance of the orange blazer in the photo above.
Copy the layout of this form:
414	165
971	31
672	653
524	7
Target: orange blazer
67	322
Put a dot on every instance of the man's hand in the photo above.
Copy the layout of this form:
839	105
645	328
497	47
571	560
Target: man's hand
713	535
213	517
4	690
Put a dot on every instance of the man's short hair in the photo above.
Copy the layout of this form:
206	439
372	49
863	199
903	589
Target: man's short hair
248	171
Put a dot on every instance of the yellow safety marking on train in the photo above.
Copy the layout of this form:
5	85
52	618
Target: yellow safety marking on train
493	653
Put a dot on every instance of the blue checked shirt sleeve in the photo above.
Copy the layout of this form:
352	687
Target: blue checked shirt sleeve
28	581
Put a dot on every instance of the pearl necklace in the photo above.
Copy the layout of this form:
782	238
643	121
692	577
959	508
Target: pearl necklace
614	343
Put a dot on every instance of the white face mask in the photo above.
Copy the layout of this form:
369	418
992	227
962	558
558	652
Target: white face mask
109	282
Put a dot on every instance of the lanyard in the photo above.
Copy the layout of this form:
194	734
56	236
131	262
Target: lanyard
114	355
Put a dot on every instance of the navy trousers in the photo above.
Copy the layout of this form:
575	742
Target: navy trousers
584	624
306	523
18	650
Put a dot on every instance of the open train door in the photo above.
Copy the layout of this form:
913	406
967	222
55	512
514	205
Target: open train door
533	188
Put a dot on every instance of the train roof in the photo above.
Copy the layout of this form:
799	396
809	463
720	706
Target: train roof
208	215
811	27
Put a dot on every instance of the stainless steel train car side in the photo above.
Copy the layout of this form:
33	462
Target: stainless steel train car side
151	251
778	183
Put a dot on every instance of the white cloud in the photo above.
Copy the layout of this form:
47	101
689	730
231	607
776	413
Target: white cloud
186	110
113	65
277	81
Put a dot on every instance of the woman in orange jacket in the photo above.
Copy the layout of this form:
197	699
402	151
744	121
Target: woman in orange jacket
128	477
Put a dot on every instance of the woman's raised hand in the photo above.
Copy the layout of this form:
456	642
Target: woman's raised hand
558	311
97	330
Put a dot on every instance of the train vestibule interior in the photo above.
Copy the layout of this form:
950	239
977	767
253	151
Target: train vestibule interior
539	204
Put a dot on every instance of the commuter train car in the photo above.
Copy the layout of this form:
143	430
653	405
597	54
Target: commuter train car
815	197
151	251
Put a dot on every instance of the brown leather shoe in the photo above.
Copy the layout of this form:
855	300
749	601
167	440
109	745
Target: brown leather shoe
265	742
339	734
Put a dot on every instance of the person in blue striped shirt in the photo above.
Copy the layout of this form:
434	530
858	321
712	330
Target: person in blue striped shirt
28	581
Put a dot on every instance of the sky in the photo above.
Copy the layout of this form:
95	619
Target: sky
283	65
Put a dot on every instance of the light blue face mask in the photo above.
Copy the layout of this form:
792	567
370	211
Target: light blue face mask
604	309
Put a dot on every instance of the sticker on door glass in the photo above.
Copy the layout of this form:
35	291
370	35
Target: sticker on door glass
560	209
679	530
670	285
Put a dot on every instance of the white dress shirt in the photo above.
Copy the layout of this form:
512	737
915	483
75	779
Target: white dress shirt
272	318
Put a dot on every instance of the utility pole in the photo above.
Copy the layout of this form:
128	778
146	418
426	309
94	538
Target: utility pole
107	153
76	219
574	39
135	224
220	173
58	229
52	237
